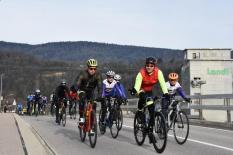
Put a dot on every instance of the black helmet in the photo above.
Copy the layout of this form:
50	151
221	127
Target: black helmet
151	60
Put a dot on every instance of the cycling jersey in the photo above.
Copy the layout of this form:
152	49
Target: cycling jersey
120	91
108	89
73	95
62	92
145	81
88	83
44	99
176	88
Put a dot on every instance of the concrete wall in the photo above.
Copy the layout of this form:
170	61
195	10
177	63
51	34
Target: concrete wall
217	74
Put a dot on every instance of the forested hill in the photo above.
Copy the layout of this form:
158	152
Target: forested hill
82	50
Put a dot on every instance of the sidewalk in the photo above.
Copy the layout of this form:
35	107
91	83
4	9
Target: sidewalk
26	141
10	142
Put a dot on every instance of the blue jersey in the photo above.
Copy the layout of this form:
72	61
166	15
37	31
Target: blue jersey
30	98
120	91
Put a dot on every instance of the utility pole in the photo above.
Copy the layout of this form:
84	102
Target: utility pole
1	93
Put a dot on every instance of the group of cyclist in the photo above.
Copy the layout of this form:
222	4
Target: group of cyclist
36	100
89	79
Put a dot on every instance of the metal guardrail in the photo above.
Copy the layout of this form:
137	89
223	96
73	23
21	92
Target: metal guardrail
132	104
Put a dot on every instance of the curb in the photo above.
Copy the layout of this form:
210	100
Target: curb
22	124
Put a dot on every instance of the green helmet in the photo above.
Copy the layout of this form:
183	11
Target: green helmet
92	63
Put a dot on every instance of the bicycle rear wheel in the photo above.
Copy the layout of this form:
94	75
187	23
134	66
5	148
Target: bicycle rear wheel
160	133
114	123
139	128
93	137
181	127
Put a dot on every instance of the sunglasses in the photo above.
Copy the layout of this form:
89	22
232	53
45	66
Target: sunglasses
110	77
150	65
92	69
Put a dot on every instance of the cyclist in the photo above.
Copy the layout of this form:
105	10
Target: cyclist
20	108
44	103
145	80
29	101
108	90
37	99
120	93
85	83
62	92
52	101
73	99
173	87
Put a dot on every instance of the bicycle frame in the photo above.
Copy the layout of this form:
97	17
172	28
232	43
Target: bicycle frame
88	110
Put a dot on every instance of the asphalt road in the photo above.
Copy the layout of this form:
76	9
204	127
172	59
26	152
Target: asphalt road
66	140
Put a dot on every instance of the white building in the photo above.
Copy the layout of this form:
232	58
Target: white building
213	70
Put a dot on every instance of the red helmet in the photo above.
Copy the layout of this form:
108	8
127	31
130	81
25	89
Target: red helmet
173	76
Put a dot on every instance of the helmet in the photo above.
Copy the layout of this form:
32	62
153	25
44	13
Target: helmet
173	76
151	60
38	91
110	73
92	63
63	82
117	77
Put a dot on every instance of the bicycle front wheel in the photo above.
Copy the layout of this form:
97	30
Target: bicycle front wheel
82	133
93	135
139	128
160	133
181	127
63	118
114	123
120	115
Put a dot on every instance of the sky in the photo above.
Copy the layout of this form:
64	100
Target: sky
176	24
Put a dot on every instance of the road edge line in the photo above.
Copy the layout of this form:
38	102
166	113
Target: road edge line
41	140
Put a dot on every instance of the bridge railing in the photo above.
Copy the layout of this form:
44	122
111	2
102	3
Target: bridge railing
201	105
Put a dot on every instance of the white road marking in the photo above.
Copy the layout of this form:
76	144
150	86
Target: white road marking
197	141
212	128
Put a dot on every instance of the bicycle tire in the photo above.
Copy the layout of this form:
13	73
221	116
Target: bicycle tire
82	133
179	122
160	133
120	115
102	127
36	110
63	115
94	129
75	113
139	126
114	123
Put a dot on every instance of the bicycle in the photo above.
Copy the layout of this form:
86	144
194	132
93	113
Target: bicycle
62	112
36	108
178	121
112	118
73	109
89	125
142	128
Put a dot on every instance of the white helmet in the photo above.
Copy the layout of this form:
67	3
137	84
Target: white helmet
117	77
37	91
110	73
